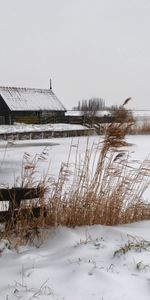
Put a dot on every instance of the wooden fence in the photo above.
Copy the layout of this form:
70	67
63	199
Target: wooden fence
14	196
34	135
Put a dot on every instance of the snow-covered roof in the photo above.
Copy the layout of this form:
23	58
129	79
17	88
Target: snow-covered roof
29	99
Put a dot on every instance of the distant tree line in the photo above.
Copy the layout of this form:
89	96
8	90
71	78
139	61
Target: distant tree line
90	106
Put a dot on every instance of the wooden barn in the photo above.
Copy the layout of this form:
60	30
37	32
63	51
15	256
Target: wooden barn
28	105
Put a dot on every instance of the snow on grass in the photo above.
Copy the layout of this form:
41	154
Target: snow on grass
86	263
79	264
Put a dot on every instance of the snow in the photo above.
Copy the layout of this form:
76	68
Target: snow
22	99
21	127
138	114
74	113
141	114
79	264
79	113
85	263
11	154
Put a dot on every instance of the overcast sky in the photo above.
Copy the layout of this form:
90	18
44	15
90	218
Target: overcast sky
90	48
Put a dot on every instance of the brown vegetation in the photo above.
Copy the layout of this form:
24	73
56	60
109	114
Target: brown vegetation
105	190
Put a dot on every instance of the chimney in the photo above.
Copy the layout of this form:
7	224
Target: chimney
50	84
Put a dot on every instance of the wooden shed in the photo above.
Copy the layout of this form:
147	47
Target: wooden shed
29	105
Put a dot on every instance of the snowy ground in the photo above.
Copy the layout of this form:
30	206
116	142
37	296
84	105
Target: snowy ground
21	127
11	154
86	263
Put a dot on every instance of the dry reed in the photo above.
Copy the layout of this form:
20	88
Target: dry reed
105	188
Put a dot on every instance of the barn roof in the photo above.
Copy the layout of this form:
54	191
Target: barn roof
29	99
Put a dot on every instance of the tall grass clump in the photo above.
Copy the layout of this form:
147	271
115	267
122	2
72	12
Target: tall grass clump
103	186
112	194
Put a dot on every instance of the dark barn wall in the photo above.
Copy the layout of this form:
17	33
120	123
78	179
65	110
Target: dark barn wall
5	113
28	117
37	117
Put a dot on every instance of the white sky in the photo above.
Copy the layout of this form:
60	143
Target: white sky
88	47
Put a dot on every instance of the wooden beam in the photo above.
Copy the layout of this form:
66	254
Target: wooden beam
19	194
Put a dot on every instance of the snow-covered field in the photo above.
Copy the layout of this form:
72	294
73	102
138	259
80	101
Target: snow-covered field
11	154
84	263
87	263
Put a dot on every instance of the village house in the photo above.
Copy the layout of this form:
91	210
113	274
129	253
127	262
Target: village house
29	105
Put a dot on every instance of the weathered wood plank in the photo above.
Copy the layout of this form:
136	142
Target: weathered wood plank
44	135
19	194
14	196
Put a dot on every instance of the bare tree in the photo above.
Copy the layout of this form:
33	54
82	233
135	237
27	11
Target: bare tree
91	106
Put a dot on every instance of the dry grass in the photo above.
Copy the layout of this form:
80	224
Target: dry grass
102	189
